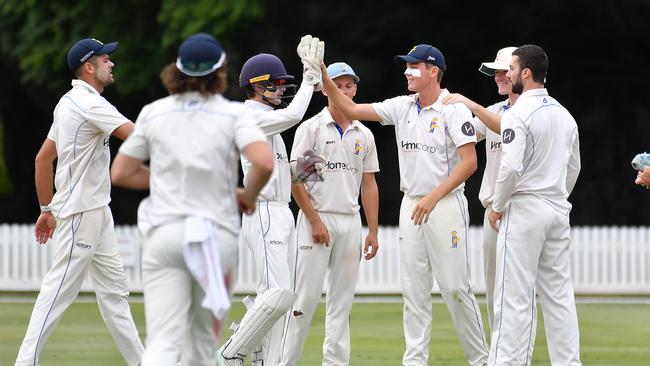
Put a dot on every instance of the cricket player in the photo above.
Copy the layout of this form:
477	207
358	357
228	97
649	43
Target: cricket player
270	232
329	225
192	139
77	215
436	155
491	115
540	163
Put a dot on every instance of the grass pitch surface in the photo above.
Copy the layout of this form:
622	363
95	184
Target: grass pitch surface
611	334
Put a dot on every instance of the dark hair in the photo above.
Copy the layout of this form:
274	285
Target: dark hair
78	73
534	58
440	72
176	82
250	91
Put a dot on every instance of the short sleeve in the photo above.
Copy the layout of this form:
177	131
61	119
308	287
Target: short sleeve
390	110
370	161
481	130
301	141
104	116
460	127
246	130
137	144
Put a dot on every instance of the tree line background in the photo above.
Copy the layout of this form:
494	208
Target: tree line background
598	71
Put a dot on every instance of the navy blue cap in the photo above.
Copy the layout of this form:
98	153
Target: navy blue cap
424	53
199	55
262	67
87	48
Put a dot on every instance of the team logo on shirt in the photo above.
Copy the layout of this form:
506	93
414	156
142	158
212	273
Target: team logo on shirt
433	124
281	157
357	147
414	146
455	239
508	135
468	129
332	166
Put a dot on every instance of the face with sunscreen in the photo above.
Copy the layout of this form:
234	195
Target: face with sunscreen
417	76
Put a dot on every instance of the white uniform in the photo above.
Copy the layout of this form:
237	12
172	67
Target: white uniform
270	232
539	166
493	159
348	155
192	142
427	144
84	236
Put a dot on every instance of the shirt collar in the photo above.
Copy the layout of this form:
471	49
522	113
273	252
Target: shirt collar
257	105
326	118
535	92
81	83
437	105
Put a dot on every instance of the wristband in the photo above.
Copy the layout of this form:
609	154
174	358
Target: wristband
45	209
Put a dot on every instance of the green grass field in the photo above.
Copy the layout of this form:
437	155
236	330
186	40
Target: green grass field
611	334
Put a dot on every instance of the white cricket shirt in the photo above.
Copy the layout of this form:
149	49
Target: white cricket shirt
272	123
347	157
492	153
81	129
193	144
427	141
540	152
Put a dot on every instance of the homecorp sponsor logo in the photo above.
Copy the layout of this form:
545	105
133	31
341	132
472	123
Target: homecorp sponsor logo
415	146
340	166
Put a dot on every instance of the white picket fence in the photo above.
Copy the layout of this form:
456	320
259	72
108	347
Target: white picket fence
605	260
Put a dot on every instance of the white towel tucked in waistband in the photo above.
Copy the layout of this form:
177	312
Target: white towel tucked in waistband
201	253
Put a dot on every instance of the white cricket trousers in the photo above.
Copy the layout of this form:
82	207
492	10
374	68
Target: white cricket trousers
489	265
533	252
178	327
269	233
489	270
85	244
438	249
340	261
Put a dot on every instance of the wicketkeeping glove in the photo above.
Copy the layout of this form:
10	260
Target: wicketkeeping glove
307	168
641	161
311	51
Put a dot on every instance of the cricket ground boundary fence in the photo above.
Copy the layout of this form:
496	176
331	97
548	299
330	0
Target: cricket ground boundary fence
605	261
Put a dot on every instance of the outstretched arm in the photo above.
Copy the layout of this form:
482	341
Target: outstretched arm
352	110
489	119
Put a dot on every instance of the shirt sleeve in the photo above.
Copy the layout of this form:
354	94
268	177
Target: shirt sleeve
370	161
389	110
137	144
574	162
513	136
280	120
481	130
246	130
302	140
460	127
104	116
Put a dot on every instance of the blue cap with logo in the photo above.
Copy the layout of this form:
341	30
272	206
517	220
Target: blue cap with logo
424	53
199	55
341	69
87	48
